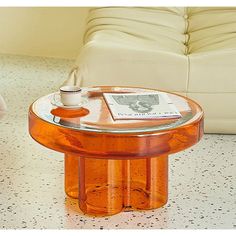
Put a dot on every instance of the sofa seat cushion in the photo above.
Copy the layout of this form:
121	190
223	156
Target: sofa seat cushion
104	63
213	72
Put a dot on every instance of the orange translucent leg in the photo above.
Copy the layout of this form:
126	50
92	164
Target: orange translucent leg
100	186
71	175
105	187
145	183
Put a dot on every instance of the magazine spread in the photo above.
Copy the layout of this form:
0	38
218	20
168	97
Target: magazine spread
154	105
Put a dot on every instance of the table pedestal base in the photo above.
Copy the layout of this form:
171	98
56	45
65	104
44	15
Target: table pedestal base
106	187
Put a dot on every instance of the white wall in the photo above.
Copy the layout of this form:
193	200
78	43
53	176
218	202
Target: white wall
47	32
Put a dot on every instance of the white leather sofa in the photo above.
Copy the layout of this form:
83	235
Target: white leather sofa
191	51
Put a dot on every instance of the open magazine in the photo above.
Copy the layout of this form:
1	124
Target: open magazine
129	106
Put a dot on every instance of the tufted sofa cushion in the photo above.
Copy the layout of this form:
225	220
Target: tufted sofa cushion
191	51
211	29
154	28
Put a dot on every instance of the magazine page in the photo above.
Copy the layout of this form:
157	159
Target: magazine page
154	105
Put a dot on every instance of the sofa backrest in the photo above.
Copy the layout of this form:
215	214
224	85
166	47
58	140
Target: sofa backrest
175	29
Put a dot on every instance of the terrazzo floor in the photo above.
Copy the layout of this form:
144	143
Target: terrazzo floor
202	179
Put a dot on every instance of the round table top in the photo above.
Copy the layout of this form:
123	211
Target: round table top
81	131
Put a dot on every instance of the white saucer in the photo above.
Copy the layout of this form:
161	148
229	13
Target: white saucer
57	102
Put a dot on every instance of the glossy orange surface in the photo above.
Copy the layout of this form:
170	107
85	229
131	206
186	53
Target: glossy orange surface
114	165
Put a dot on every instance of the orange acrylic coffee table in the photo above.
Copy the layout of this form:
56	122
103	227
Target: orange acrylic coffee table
110	165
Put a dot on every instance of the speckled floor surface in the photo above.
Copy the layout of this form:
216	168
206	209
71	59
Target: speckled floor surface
202	185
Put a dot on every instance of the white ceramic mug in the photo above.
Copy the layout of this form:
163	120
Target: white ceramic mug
70	95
